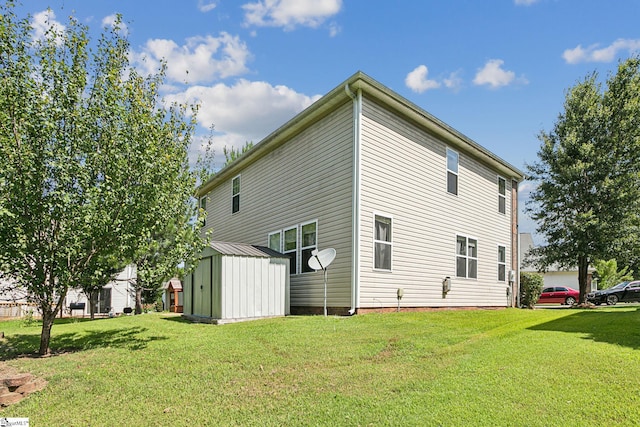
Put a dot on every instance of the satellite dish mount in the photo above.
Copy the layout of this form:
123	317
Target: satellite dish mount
320	260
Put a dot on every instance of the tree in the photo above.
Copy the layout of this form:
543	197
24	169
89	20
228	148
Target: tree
531	285
90	157
231	154
609	275
101	270
587	176
161	255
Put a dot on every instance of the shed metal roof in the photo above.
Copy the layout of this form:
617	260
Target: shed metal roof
244	249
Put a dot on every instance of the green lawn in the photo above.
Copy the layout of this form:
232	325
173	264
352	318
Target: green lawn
544	367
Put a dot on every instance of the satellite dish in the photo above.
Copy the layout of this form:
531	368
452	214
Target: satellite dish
321	260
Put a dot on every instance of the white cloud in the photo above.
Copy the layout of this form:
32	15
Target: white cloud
45	21
290	13
250	109
206	6
110	21
494	75
454	81
202	59
525	2
246	111
417	80
606	54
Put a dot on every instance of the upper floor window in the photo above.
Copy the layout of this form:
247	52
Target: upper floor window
502	195
308	244
382	243
502	263
452	171
203	207
236	194
466	257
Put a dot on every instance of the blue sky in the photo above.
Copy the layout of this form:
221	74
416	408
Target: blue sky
496	70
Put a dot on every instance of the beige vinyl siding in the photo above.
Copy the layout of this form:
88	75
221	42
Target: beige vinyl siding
404	175
308	178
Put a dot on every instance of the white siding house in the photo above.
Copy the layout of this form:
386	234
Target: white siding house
113	298
554	275
406	201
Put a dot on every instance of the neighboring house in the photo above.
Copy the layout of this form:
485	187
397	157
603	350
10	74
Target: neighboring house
554	276
411	206
113	298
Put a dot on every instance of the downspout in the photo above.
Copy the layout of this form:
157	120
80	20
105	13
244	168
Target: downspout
355	226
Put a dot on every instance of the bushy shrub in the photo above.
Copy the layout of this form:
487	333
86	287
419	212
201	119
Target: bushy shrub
530	288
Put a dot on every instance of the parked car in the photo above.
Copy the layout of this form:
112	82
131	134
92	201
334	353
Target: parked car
558	295
622	292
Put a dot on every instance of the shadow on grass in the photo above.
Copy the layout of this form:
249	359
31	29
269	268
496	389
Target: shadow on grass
17	345
611	326
177	319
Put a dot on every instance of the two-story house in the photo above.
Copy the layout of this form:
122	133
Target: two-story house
411	206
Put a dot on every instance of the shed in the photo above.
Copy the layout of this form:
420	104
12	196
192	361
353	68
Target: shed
237	281
173	295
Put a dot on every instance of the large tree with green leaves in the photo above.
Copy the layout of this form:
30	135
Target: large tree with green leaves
587	175
93	165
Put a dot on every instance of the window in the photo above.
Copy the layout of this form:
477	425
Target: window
275	241
502	195
382	243
466	257
291	248
236	194
452	171
308	244
203	207
297	242
502	263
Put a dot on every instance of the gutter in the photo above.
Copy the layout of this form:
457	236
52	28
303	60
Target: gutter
355	226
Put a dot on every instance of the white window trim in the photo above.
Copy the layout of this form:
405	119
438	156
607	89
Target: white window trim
279	232
499	263
457	173
467	257
502	196
301	248
390	243
233	195
297	250
202	204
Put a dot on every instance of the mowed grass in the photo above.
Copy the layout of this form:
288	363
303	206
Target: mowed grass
544	367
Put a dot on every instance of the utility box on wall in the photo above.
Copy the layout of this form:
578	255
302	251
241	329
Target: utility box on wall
237	281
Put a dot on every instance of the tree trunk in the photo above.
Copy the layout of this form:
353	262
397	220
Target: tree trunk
48	316
583	271
138	301
93	302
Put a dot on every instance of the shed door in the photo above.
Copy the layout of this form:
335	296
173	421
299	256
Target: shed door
202	288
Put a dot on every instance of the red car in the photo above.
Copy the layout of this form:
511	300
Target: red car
559	295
